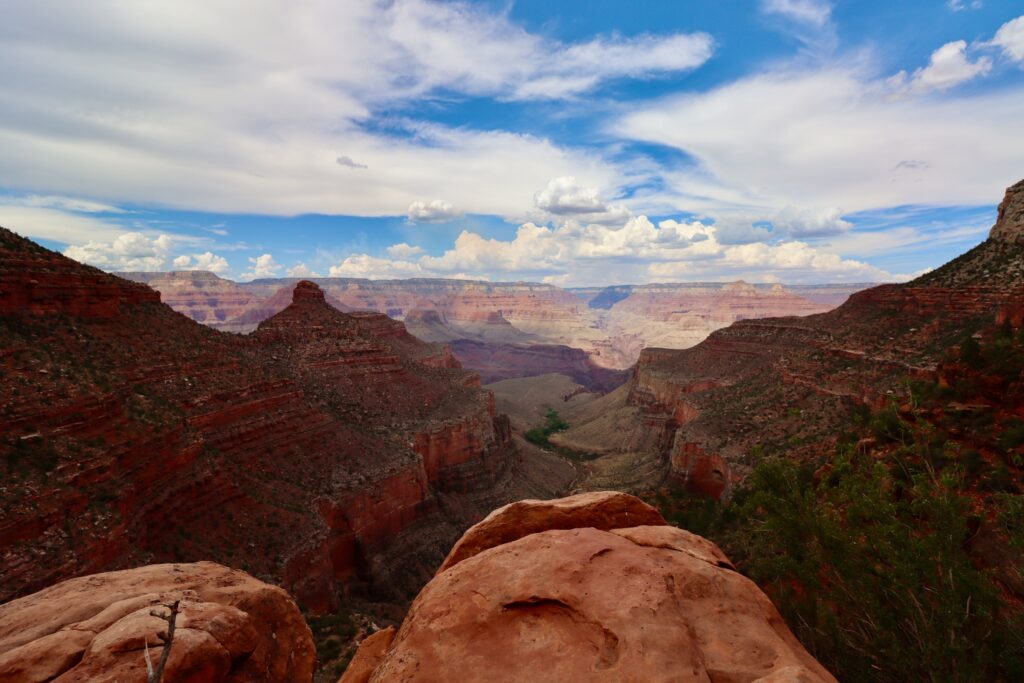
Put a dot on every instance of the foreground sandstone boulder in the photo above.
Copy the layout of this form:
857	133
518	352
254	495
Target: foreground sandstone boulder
600	509
231	628
625	602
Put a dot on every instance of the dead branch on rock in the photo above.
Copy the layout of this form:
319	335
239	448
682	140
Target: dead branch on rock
167	638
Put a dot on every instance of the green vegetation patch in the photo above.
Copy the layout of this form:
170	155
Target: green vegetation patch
553	423
867	555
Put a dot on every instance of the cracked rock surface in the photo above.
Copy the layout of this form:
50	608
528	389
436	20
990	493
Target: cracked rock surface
231	627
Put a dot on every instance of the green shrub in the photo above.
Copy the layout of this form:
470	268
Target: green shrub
970	353
553	423
877	585
888	426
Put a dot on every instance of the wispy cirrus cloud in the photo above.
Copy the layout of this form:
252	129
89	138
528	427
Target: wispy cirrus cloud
751	157
194	106
815	12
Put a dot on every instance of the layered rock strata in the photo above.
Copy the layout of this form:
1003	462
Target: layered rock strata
609	326
131	434
496	362
787	385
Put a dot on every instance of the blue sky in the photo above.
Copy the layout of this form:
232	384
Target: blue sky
578	143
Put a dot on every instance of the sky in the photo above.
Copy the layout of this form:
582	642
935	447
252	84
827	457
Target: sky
579	143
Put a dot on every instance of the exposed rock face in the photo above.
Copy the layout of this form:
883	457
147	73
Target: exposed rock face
368	657
201	295
601	510
787	385
572	602
496	362
231	627
40	285
610	326
130	434
1010	225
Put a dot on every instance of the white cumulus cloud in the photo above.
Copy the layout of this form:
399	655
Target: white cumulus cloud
949	66
403	251
205	261
638	251
132	251
365	266
434	211
564	196
1010	38
262	266
301	270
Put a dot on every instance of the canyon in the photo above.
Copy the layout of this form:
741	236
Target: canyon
530	327
336	454
702	417
326	452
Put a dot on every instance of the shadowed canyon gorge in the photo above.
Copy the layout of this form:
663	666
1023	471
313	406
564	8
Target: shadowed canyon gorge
337	465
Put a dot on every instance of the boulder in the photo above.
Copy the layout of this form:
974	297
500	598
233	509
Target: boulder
599	509
231	627
556	602
368	657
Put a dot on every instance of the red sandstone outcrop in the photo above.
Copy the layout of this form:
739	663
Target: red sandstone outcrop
1009	226
130	434
231	628
601	509
591	597
368	657
260	309
41	285
787	385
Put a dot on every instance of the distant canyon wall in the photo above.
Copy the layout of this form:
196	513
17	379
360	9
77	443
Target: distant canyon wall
610	325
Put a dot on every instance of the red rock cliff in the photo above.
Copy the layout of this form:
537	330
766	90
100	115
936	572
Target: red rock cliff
131	434
787	385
